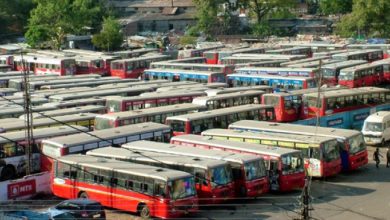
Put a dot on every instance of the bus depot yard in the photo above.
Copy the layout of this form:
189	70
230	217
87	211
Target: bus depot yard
216	132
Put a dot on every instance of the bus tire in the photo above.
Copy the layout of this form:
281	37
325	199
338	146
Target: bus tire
8	173
143	211
83	195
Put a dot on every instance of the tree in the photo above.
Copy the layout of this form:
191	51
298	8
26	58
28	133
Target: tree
328	7
368	17
110	37
52	20
262	9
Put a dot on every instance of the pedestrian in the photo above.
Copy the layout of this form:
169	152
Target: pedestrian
388	157
377	154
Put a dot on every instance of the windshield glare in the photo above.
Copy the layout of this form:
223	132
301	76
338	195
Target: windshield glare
356	144
346	76
255	170
113	106
330	151
101	124
328	73
182	188
373	126
292	163
220	175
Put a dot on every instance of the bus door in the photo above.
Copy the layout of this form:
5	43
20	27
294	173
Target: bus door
273	175
344	154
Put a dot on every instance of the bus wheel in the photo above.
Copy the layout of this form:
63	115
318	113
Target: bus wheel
144	211
8	173
83	195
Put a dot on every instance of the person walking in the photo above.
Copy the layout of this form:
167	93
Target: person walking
388	157
377	154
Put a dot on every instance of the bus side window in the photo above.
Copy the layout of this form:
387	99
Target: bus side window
159	188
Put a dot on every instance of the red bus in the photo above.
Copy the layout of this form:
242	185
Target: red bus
343	100
42	65
284	166
330	72
353	149
146	190
157	114
386	69
213	178
384	47
370	74
195	123
7	60
90	65
249	171
197	52
134	67
369	55
150	100
322	156
288	105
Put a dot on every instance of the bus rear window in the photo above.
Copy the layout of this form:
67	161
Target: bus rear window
271	100
178	126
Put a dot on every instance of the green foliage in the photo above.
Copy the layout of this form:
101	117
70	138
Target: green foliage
328	7
368	17
52	20
13	16
207	11
187	40
261	30
264	9
110	37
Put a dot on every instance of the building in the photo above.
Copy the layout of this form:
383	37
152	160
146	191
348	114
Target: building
154	15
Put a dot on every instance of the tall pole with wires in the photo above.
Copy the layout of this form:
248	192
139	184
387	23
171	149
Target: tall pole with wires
28	114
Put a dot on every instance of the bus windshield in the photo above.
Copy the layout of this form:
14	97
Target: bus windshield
220	176
114	106
328	73
255	170
102	123
330	151
292	163
182	188
346	76
373	126
356	144
178	126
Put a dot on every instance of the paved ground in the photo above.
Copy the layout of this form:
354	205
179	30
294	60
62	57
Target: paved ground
364	194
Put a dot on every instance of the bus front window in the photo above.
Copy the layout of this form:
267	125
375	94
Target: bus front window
373	126
177	126
330	151
220	176
255	170
182	188
346	76
292	163
356	144
328	73
102	123
113	106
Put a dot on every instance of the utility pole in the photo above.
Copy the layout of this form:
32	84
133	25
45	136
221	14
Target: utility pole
28	114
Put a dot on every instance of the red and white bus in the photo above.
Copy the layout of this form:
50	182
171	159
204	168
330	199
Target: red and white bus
384	47
197	52
250	58
195	123
215	57
285	166
313	64
368	55
249	172
229	99
343	100
134	67
81	143
213	178
330	72
288	105
316	47
7	60
370	74
156	114
353	149
43	65
386	69
292	51
221	68
150	100
146	190
322	156
220	91
90	65
306	60
13	149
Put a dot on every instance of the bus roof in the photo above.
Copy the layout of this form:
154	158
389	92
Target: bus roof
219	91
312	140
155	56
301	47
270	76
347	92
155	95
110	133
311	59
361	66
294	129
233	145
68	111
267	56
305	44
174	149
343	64
276	69
203	100
162	63
176	71
304	91
378	116
124	167
356	52
218	112
150	156
202	86
42	133
76	102
151	111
